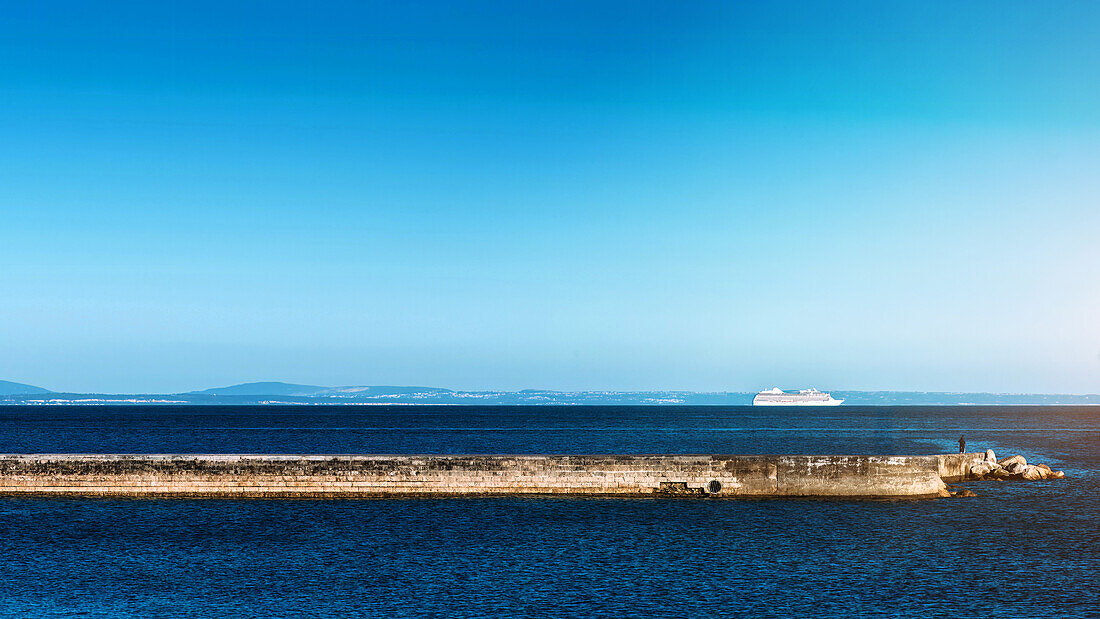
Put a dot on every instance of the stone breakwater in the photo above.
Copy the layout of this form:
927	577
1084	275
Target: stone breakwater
366	476
1011	468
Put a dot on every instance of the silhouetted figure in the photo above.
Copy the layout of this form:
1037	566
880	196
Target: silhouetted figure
962	444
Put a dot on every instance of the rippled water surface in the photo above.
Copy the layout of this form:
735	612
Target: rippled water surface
1016	550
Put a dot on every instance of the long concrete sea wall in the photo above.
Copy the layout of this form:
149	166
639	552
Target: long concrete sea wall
365	476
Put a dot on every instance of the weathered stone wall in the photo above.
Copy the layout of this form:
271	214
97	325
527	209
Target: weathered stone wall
311	476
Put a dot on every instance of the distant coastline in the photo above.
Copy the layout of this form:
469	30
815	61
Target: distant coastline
277	393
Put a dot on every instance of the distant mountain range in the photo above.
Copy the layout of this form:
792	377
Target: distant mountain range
274	388
288	393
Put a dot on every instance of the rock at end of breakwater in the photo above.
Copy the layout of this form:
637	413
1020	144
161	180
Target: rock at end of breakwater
1014	468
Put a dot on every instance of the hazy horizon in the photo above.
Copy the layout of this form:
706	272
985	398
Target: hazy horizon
573	196
219	387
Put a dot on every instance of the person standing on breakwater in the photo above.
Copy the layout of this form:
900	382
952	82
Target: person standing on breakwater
962	444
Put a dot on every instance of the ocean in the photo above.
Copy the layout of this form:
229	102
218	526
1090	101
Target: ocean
1017	549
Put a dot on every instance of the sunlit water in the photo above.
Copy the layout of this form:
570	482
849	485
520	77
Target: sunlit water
1016	550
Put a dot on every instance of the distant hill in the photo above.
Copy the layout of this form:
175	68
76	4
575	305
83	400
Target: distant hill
269	388
10	388
377	390
290	389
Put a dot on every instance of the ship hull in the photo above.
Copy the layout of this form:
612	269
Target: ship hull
829	402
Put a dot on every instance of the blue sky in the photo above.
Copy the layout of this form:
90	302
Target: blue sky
722	196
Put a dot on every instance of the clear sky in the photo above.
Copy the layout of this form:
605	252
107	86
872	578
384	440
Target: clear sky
705	196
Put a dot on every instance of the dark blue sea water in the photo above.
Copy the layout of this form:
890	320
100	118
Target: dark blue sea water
1016	550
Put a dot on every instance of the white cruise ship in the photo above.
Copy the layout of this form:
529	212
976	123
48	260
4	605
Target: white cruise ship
805	397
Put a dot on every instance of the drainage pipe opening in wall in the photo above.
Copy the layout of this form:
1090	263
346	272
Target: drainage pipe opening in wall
714	487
